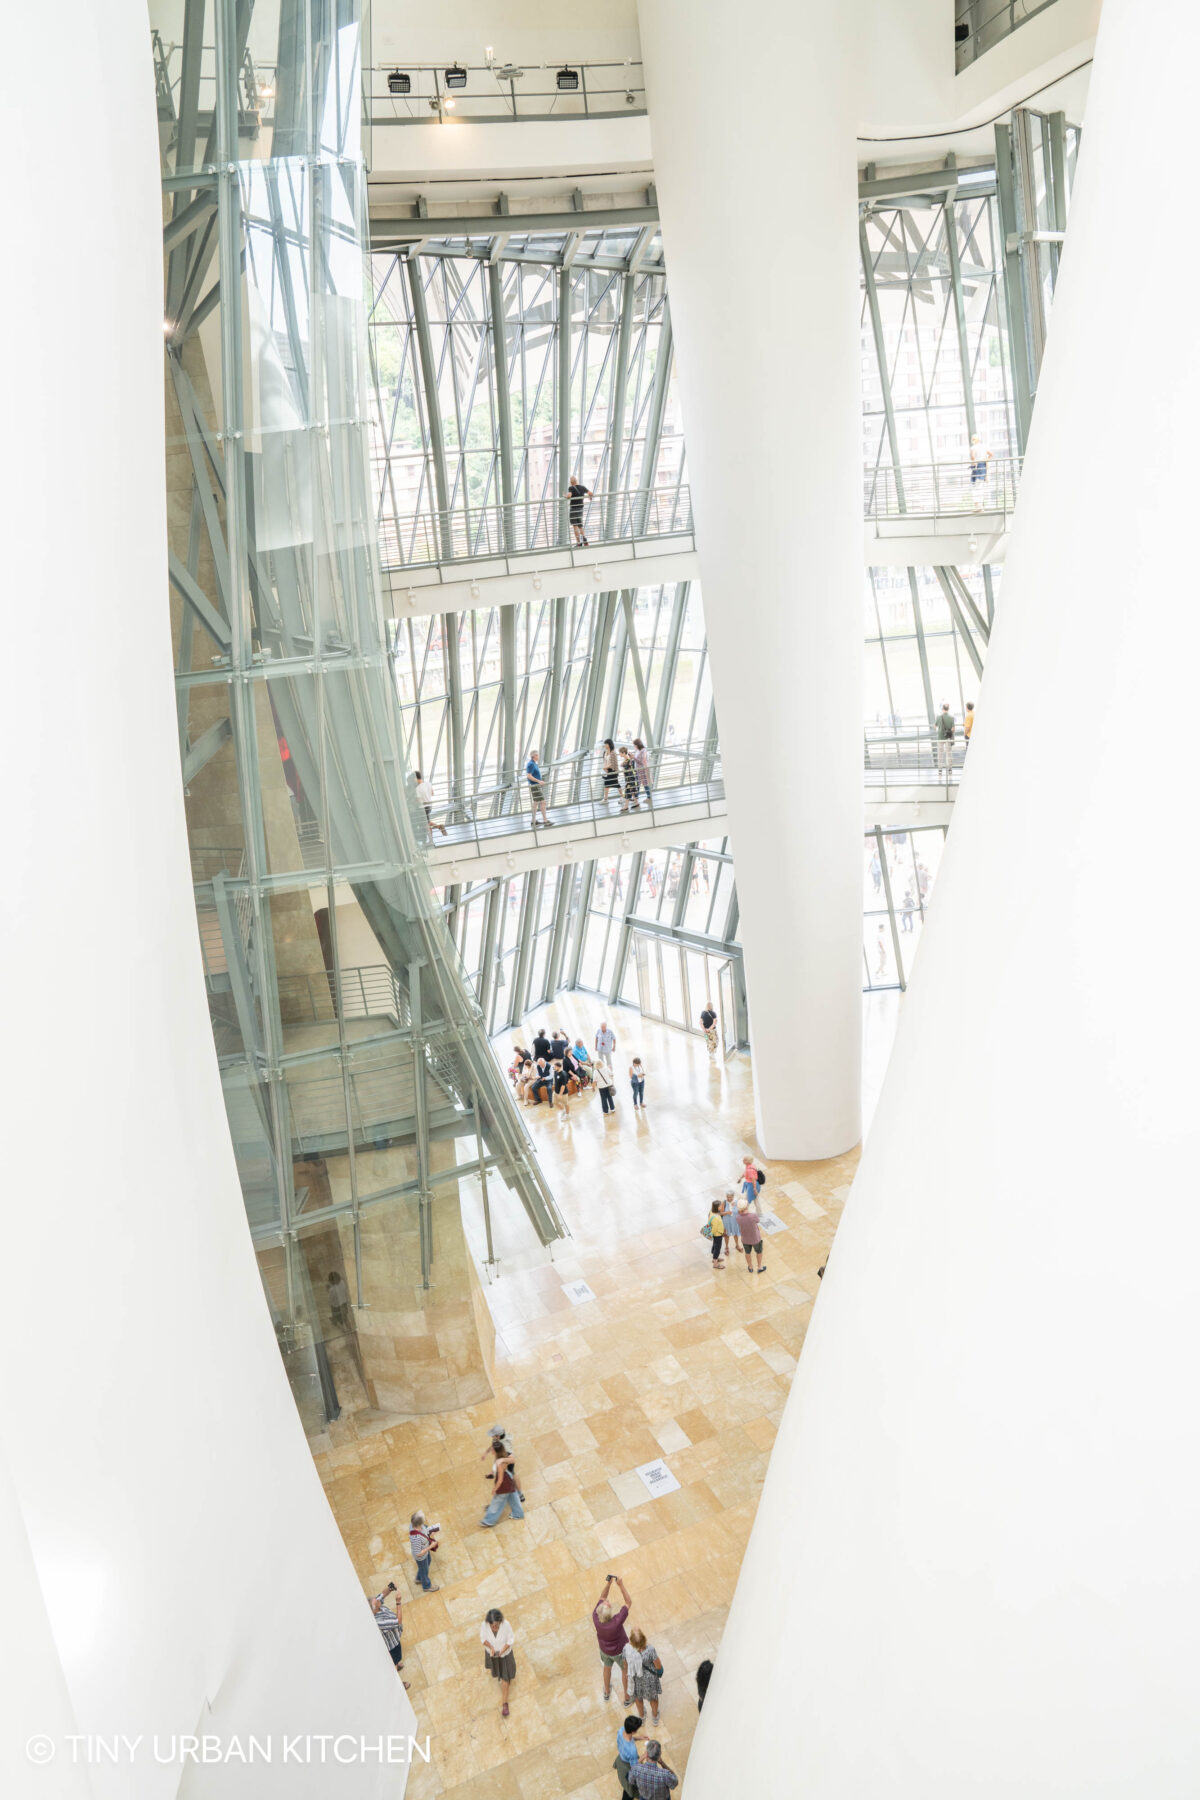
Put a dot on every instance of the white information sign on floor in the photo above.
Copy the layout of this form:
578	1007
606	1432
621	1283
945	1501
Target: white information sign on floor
577	1292
770	1223
658	1479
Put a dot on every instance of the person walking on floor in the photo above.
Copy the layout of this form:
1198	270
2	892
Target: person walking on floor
750	1179
606	1082
390	1620
606	1040
627	1752
505	1491
652	1777
909	907
637	1081
428	800
576	493
535	776
980	457
968	723
611	773
422	1542
339	1300
611	1636
708	1023
641	760
644	1674
750	1234
715	1231
629	783
945	729
496	1636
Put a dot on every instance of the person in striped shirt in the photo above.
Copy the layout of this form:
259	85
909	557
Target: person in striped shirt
391	1624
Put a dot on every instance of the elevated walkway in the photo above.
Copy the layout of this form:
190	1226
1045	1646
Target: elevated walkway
495	555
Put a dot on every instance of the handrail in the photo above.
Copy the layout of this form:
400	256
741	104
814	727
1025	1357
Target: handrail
912	757
986	23
937	490
497	93
496	529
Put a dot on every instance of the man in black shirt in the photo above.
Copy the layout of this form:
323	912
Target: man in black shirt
708	1019
577	494
541	1044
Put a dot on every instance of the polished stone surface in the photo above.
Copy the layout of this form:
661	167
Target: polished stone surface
671	1360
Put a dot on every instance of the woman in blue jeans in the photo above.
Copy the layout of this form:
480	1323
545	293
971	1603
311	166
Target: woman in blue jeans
504	1488
637	1081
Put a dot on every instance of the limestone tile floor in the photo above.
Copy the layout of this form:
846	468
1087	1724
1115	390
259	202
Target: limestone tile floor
670	1359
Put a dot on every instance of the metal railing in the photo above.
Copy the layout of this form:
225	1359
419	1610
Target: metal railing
468	532
361	993
911	757
499	93
979	25
939	490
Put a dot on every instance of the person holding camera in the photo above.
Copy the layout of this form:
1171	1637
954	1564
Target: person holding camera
391	1624
422	1541
612	1637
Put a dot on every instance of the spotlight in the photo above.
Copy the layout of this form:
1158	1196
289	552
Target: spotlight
399	83
168	327
474	590
449	103
567	81
630	99
411	597
456	76
973	545
597	572
537	583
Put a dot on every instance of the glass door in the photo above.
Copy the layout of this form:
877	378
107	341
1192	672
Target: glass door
649	975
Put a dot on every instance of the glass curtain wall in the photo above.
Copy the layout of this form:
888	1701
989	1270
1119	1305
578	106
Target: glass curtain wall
503	367
357	1075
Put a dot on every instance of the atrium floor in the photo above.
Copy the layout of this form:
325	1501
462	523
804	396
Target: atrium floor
670	1359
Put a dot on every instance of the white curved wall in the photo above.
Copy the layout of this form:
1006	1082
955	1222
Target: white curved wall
162	1517
975	1570
764	307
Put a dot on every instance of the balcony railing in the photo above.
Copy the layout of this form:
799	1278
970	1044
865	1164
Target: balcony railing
941	490
912	757
500	93
979	25
468	533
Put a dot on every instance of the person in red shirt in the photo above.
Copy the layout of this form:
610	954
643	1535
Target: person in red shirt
612	1637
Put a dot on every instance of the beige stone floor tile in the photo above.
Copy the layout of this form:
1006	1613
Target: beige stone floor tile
670	1360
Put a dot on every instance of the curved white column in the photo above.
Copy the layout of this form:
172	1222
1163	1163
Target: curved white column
758	200
975	1571
160	1513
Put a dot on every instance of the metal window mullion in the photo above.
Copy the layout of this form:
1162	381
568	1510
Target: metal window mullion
885	382
891	906
620	382
960	309
922	652
956	613
1014	286
625	935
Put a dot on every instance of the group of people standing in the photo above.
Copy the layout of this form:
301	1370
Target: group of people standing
734	1223
555	1070
629	1652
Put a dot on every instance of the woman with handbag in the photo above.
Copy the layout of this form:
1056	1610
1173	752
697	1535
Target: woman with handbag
645	1674
714	1229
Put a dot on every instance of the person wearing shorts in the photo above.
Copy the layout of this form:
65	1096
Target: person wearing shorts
981	456
708	1024
611	1636
577	494
750	1234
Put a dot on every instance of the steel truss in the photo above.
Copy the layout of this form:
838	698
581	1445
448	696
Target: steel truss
350	1045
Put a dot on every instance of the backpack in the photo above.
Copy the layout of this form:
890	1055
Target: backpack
762	1180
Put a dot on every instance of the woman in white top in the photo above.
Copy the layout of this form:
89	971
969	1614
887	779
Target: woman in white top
496	1636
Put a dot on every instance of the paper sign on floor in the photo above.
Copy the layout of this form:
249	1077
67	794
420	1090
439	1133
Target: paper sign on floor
577	1292
770	1223
658	1478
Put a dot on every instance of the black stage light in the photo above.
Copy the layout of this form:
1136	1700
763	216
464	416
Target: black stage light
399	83
567	81
962	32
456	77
